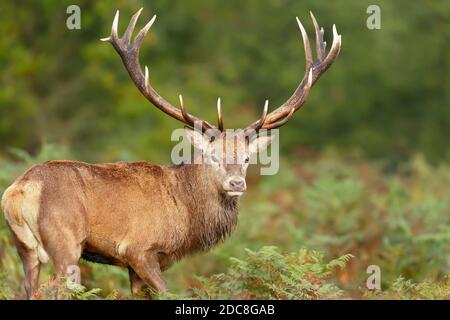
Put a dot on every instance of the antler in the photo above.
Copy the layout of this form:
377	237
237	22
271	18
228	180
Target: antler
282	114
129	52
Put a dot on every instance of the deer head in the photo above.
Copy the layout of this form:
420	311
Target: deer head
226	153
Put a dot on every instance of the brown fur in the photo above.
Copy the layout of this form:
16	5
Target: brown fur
117	213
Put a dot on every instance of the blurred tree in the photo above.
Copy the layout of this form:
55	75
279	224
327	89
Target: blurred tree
387	93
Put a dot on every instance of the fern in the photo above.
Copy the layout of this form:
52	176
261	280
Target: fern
270	274
402	289
79	292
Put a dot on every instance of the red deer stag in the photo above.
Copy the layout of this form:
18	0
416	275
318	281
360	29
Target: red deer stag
139	215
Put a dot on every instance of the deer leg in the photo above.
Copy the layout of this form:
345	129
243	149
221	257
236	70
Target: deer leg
136	283
67	263
66	258
64	243
147	268
31	268
66	270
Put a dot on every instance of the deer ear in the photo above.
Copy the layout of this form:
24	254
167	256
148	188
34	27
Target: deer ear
261	143
196	138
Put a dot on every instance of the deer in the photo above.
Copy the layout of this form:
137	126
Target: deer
138	215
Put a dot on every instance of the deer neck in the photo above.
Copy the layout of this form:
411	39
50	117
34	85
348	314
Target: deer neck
212	214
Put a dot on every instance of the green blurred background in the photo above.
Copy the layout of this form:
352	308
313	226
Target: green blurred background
387	95
364	164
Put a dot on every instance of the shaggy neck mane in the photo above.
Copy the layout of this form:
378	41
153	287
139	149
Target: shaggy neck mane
212	214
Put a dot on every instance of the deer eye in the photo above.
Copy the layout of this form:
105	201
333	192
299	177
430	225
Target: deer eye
247	160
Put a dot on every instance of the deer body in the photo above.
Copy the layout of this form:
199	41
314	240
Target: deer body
113	213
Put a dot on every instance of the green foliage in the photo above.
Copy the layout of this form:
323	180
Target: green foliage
403	289
113	295
164	295
64	290
269	274
79	292
394	221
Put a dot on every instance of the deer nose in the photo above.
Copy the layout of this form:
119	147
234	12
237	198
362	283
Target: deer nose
237	184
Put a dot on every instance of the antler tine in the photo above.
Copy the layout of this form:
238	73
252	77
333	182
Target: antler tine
334	51
320	44
129	52
113	33
219	115
282	114
257	125
146	78
129	32
143	32
308	54
189	120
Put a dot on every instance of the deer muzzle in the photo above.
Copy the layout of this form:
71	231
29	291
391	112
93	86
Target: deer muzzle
235	186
